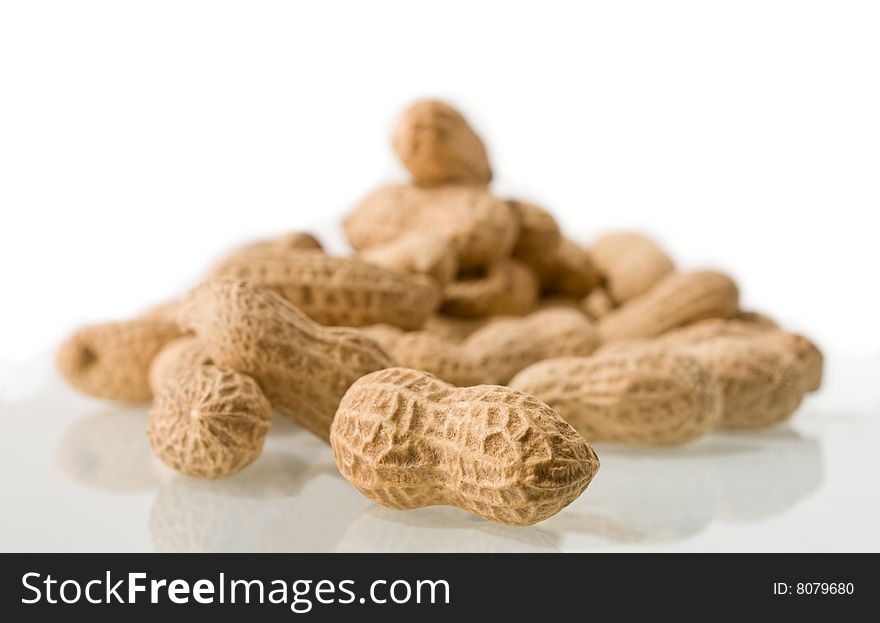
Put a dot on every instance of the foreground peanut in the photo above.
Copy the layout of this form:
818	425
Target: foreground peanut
482	228
437	146
648	396
302	367
336	290
112	360
406	439
208	422
676	300
630	263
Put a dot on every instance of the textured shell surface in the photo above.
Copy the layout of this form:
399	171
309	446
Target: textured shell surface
112	360
763	382
438	146
483	229
646	396
506	345
209	422
406	439
336	290
429	352
303	368
676	300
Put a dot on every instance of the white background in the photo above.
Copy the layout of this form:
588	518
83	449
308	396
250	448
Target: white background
139	140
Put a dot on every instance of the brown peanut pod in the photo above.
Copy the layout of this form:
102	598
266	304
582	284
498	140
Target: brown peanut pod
507	345
482	228
802	348
763	382
336	291
416	252
302	367
438	146
175	358
642	396
406	439
508	288
597	303
208	422
112	360
428	352
678	299
539	237
630	263
571	271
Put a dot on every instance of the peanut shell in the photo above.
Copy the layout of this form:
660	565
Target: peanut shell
112	360
208	422
406	439
302	367
438	146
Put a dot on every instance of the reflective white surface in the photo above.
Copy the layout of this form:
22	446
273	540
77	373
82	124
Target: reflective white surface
78	475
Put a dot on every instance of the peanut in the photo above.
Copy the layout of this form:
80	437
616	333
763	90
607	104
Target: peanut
802	348
507	345
494	353
416	252
112	360
763	382
539	236
208	422
647	396
429	352
303	368
570	270
406	439
597	303
175	358
675	300
480	227
437	146
508	288
336	290
630	263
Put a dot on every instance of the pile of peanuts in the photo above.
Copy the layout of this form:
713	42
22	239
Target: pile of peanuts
466	354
